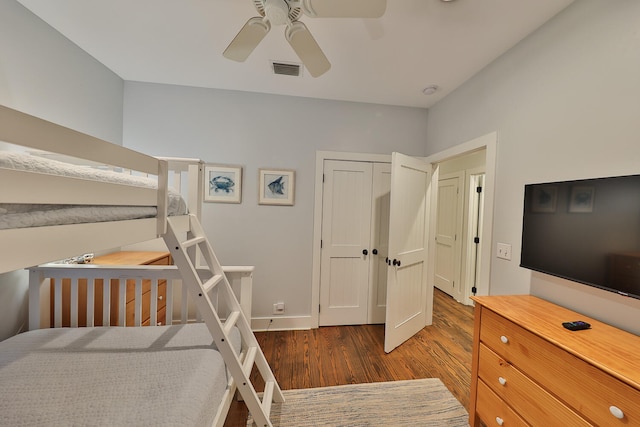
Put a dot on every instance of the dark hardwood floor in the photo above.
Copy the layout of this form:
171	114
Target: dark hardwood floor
340	355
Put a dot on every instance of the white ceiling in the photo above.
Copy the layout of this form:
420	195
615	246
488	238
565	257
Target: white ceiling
389	60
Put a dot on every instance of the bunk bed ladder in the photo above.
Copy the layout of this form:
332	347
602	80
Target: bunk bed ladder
211	291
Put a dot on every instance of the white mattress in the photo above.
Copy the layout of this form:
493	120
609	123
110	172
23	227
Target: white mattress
35	215
112	376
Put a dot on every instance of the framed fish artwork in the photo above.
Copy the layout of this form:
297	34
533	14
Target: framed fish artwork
277	187
223	183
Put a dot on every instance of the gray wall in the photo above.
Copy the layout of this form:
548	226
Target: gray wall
565	103
254	131
44	74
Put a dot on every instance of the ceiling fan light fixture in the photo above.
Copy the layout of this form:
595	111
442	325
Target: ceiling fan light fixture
277	11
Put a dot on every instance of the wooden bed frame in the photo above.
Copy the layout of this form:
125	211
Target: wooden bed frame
29	247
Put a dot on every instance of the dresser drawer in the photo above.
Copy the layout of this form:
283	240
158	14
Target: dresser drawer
146	287
525	396
495	412
585	388
146	305
165	260
162	318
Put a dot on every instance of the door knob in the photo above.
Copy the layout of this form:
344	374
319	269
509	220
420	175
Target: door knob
365	252
375	252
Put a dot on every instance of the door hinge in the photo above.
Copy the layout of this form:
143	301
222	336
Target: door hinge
474	290
322	177
478	189
320	243
319	308
476	240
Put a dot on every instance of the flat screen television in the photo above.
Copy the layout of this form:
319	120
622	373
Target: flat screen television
587	231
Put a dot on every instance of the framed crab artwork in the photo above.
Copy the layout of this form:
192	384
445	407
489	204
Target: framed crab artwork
276	187
223	184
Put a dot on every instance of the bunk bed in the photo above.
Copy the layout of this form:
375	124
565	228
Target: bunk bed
160	375
33	186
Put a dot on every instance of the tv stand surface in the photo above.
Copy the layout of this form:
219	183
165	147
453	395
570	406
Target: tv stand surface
529	370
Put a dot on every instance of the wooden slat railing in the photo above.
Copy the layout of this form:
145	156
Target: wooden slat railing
122	276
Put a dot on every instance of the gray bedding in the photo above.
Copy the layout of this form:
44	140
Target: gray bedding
112	376
37	215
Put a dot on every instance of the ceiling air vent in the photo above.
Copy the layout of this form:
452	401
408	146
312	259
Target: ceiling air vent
287	69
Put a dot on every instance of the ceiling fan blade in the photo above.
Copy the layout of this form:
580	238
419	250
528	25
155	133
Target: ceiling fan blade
307	49
247	39
344	8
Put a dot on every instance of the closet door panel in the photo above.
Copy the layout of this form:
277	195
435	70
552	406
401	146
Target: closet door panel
346	234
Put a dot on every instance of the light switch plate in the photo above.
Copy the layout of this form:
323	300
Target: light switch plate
504	251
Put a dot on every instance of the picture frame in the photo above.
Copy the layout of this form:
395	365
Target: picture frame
581	199
222	183
544	199
276	187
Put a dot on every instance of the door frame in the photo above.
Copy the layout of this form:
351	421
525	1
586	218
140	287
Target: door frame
487	142
474	212
321	156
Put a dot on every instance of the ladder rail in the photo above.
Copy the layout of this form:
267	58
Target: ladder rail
240	365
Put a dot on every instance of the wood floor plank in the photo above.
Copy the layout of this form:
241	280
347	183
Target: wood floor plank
340	355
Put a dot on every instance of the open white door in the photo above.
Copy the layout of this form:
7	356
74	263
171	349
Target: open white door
407	291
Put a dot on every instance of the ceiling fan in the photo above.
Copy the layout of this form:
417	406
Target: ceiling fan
287	12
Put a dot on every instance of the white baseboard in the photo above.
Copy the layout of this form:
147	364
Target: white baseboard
280	323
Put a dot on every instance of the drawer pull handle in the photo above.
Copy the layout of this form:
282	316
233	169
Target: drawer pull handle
499	420
616	412
504	339
502	380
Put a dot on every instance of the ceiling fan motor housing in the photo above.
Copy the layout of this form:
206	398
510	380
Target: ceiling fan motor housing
277	11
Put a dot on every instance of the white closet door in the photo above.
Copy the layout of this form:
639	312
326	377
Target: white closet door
346	234
449	236
379	242
407	292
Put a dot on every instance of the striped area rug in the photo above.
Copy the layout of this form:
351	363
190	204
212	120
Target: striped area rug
415	403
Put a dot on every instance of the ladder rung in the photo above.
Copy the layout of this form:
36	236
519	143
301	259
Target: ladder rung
193	242
231	321
267	397
211	283
249	359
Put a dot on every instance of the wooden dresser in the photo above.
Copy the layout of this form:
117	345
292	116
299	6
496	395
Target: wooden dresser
118	258
528	370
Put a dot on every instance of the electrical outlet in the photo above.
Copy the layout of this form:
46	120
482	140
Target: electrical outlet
278	308
504	251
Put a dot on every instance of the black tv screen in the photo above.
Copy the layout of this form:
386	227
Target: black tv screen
587	231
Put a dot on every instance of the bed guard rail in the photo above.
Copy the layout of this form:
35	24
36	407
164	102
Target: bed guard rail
111	305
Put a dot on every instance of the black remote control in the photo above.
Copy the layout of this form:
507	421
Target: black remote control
578	325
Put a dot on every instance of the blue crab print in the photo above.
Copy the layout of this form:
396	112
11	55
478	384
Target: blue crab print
222	183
